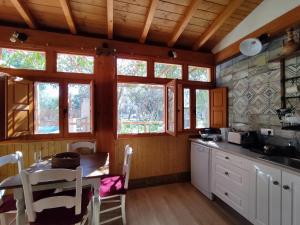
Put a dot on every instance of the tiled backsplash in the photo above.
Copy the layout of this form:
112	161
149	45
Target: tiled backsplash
254	89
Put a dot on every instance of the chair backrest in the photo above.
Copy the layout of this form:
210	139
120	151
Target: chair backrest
86	145
126	164
50	175
12	159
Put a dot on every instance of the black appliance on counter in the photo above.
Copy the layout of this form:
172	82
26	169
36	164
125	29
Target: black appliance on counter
210	134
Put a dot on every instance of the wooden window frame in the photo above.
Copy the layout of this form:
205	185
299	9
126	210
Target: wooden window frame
211	72
120	56
165	61
74	53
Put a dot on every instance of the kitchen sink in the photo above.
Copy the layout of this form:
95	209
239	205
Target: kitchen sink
286	161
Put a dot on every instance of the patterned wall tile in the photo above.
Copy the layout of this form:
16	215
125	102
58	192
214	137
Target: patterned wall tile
241	65
240	87
259	105
240	105
258	60
292	70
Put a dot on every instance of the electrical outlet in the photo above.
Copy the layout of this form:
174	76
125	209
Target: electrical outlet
266	131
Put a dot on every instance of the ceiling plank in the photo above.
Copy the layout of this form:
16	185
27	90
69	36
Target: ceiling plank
150	16
186	19
218	22
25	13
110	18
65	4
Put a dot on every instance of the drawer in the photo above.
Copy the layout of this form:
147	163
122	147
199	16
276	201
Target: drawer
231	159
235	177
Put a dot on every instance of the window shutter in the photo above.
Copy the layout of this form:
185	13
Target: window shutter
218	107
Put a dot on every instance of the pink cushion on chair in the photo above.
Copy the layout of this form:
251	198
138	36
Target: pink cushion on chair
62	215
112	185
8	204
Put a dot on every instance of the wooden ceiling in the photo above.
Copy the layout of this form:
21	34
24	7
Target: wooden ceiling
188	24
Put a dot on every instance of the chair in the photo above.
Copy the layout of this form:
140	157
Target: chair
82	147
115	186
63	208
8	203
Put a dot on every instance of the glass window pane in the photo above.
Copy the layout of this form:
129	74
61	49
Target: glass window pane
186	107
171	103
79	108
140	108
46	110
71	63
22	59
131	67
202	108
197	73
165	70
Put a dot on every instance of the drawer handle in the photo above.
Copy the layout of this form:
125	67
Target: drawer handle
275	182
226	173
226	157
285	187
226	193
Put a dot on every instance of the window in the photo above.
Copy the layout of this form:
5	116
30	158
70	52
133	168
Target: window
186	108
131	67
171	109
140	108
46	110
71	63
202	108
199	73
165	70
79	108
22	59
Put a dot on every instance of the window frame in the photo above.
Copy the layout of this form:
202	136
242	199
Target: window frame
131	58
88	75
182	65
211	72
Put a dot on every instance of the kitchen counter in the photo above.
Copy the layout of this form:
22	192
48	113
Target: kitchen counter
243	152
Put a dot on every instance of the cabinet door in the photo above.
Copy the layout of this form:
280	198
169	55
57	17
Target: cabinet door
290	199
265	195
19	107
218	107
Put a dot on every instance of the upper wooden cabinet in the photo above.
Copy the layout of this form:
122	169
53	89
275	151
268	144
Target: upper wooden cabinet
218	107
16	107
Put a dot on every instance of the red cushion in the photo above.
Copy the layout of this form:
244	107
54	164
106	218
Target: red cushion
62	215
9	204
112	185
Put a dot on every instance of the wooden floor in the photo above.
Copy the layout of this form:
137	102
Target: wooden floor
176	204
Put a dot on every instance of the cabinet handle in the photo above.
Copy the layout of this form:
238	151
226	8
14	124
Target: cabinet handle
226	173
275	182
285	187
226	157
226	193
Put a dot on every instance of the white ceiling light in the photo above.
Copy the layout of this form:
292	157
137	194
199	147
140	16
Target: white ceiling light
251	46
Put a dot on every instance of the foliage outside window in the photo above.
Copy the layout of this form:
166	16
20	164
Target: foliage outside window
46	110
79	108
165	70
22	59
171	104
131	67
202	108
140	108
197	73
71	63
186	108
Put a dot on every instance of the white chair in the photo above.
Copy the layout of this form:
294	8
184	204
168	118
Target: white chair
63	208
113	189
8	203
84	147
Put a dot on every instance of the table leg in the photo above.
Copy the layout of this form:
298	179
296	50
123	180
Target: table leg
20	205
96	204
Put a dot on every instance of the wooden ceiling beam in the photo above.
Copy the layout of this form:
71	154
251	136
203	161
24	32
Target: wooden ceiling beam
217	23
65	4
25	13
110	18
150	16
184	22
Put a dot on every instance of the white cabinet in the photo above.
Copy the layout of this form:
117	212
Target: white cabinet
290	199
265	195
200	168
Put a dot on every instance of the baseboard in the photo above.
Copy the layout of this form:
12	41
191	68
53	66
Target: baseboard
159	180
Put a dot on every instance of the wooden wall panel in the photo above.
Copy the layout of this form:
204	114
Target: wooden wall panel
155	156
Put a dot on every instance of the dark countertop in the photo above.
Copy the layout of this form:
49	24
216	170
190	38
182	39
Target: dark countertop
243	152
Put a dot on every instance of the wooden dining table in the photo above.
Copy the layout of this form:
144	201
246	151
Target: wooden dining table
94	166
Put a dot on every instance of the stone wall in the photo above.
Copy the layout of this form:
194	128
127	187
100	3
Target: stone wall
254	89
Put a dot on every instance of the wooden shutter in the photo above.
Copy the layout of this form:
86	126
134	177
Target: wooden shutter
19	107
92	102
3	118
218	107
171	107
